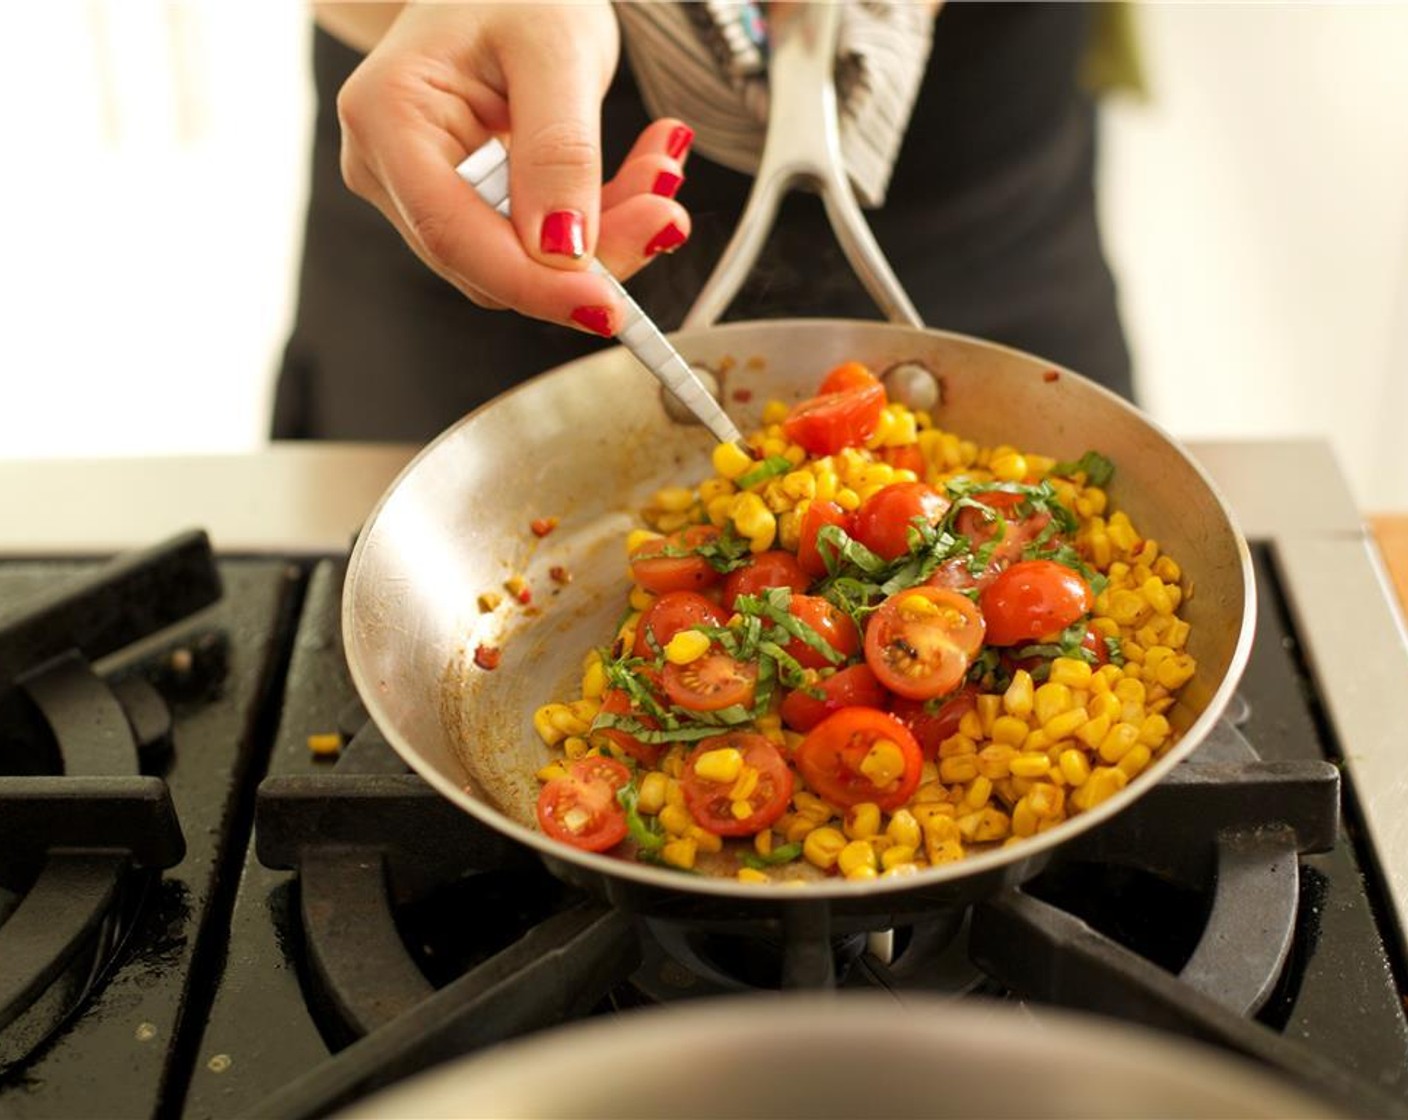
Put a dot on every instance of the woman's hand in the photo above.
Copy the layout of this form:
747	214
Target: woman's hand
441	81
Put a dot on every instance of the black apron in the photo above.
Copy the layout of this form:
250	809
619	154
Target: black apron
990	225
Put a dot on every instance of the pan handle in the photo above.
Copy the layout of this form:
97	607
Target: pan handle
803	147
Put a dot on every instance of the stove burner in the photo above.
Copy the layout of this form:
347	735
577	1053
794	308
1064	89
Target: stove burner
77	848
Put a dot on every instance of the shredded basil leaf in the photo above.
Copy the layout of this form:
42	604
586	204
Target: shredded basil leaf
647	834
1098	470
770	467
784	854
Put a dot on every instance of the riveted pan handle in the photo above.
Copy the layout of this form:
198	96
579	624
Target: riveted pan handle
803	148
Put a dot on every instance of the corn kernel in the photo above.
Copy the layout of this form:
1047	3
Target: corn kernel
1024	820
855	855
1046	800
993	824
943	851
883	764
895	855
1175	671
651	795
1070	671
822	847
705	840
1064	725
753	875
686	646
1030	766
552	770
1017	700
988	707
979	792
730	460
956	745
1050	700
676	820
594	680
1120	740
680	853
1104	704
575	747
1092	733
640	599
812	806
1135	760
903	829
721	765
862	821
1104	783
958	769
1009	730
995	762
543	724
1075	767
745	786
1153	731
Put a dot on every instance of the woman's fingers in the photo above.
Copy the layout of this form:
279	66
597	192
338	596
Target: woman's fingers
661	148
636	231
555	90
415	109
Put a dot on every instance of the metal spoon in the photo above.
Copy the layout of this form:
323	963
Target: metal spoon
486	170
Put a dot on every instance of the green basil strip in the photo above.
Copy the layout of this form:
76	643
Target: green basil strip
1097	468
638	730
785	854
647	835
770	467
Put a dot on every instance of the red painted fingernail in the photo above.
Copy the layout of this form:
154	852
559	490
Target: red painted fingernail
666	241
680	139
564	233
666	184
595	319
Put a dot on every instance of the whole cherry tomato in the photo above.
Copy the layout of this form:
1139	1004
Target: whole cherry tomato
1033	599
886	520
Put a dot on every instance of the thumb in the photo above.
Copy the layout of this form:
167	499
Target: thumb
555	157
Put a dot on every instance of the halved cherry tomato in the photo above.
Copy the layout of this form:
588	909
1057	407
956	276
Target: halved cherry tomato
668	615
920	642
617	702
581	809
776	568
671	564
933	721
711	682
831	623
853	686
1032	599
710	803
886	519
820	513
1017	531
861	754
844	414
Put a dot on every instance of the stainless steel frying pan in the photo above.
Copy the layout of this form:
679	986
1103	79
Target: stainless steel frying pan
589	442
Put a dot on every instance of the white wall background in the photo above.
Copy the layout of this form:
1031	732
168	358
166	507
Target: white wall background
1256	212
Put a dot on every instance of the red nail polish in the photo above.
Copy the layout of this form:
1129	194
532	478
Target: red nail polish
681	137
666	241
667	184
595	319
564	233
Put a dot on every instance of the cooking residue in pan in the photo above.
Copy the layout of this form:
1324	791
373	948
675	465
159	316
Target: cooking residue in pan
866	646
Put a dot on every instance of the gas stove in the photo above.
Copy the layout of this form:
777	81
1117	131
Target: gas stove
222	894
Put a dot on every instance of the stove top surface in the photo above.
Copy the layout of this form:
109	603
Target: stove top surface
196	978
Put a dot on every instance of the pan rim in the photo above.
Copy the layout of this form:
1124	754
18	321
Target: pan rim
970	867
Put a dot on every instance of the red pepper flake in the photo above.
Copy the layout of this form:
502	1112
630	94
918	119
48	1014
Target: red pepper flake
542	526
560	574
487	657
743	395
1051	375
518	587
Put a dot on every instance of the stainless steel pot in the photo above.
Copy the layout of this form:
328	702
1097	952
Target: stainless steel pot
589	442
856	1054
